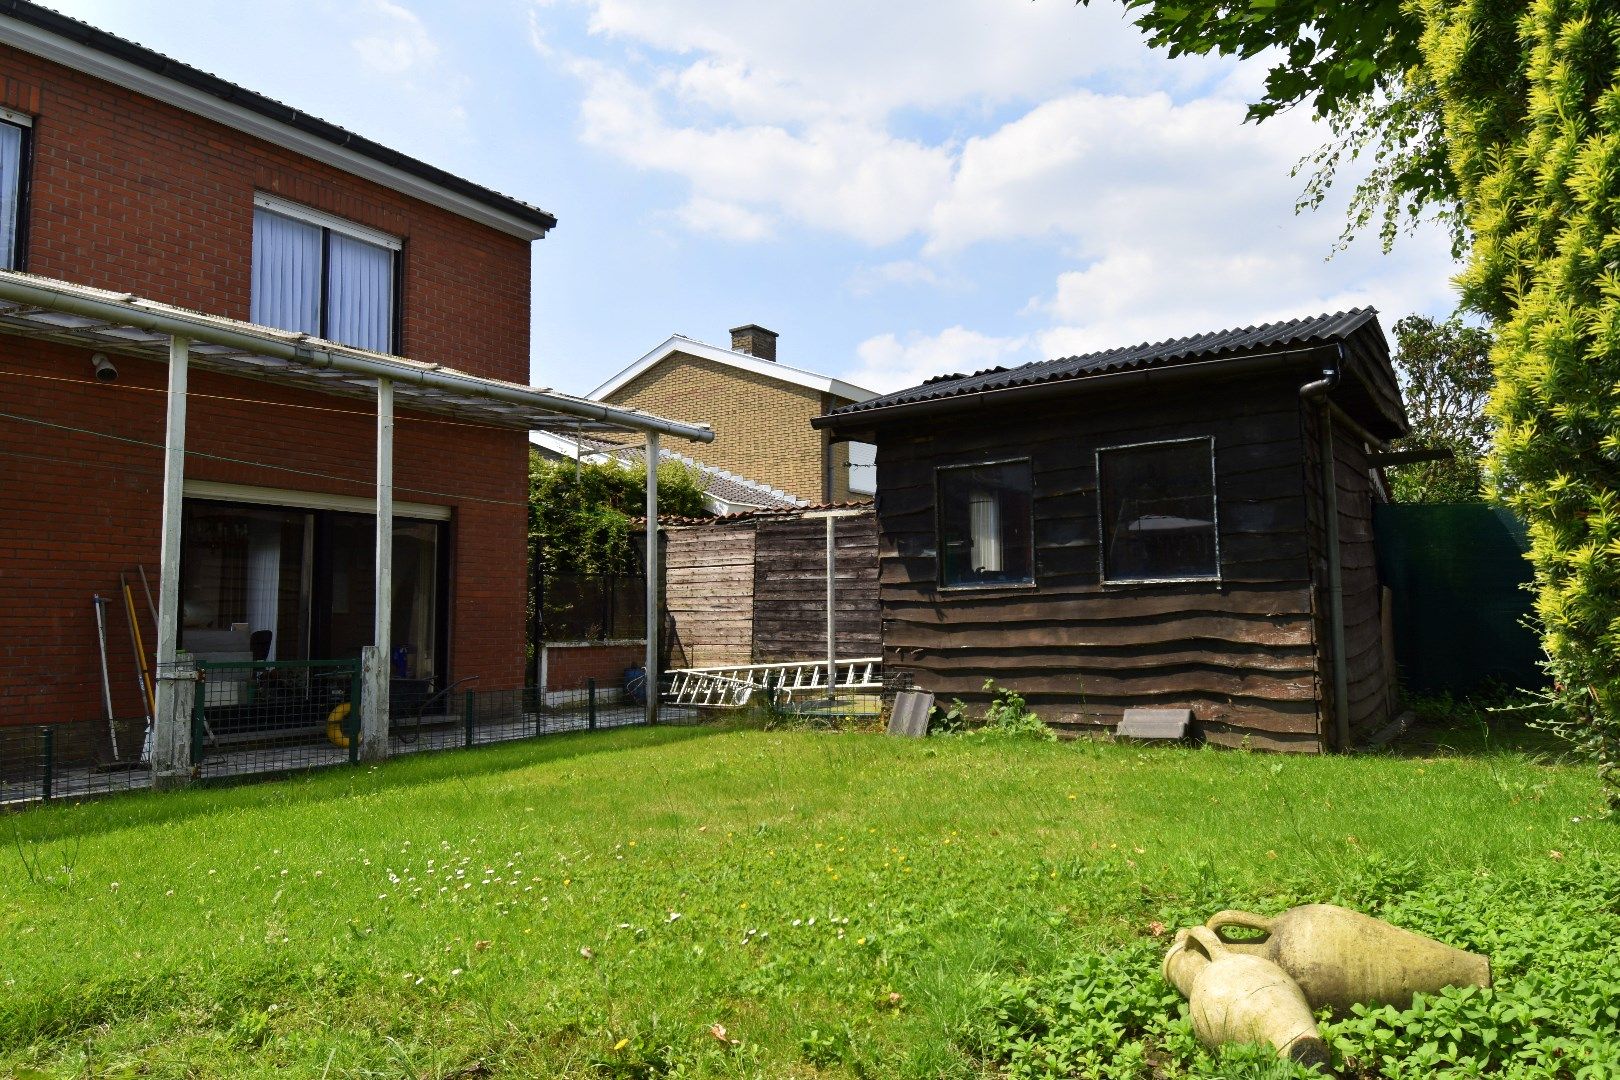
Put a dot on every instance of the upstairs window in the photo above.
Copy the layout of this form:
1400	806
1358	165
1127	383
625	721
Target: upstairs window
318	274
1158	511
986	530
13	161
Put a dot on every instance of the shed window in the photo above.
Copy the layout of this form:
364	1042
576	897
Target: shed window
985	528
1158	511
320	275
13	159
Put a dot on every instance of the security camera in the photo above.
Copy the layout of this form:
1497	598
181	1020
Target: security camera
105	371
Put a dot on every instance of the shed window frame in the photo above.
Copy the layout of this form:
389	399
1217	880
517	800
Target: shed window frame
330	225
1102	526
18	197
939	527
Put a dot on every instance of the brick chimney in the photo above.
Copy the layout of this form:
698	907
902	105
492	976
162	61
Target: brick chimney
755	341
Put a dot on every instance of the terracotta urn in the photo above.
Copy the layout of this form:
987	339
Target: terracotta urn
1237	997
1341	957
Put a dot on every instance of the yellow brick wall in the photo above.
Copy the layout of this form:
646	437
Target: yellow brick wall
761	426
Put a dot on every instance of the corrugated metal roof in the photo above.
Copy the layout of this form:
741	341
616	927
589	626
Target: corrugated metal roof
131	52
723	484
749	515
1269	337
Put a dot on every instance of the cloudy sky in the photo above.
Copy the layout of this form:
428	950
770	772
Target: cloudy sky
899	188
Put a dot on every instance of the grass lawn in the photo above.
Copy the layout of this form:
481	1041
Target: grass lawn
593	905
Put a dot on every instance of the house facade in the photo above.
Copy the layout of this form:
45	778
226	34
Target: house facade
1184	525
760	411
186	264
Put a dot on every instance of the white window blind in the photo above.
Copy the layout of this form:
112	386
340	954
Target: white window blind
315	278
286	273
360	293
11	188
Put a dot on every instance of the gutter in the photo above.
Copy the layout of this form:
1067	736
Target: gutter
1167	373
136	313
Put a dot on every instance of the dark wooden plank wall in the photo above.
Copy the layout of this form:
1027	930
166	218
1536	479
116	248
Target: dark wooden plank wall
709	594
790	588
1241	652
1368	681
1363	594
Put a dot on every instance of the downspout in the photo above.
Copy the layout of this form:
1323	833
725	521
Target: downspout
1316	392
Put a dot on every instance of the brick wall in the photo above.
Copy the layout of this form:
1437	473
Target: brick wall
761	425
77	509
568	666
133	195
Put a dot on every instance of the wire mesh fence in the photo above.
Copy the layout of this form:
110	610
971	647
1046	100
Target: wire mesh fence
69	760
592	607
275	717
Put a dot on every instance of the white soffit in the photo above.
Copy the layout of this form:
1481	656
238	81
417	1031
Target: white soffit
308	500
677	343
42	43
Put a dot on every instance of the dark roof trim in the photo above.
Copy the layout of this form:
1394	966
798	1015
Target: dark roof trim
1244	365
196	89
1201	350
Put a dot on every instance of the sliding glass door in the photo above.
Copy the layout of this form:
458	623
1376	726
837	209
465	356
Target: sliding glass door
269	583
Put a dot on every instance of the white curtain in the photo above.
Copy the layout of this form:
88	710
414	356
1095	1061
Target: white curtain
264	578
984	526
11	139
360	301
286	273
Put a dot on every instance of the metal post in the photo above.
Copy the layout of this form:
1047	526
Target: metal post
374	717
467	715
351	723
171	726
590	703
832	614
654	616
48	779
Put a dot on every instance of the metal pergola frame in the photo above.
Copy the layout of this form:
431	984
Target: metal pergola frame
95	319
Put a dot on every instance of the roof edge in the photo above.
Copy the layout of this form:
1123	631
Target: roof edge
770	369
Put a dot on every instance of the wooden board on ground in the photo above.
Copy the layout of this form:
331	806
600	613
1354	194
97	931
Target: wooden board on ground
1155	724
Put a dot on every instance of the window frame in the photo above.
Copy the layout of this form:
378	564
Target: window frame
25	183
939	527
332	223
1215	514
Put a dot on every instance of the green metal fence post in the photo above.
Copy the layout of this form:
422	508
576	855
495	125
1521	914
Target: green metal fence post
467	716
199	718
48	780
351	723
590	703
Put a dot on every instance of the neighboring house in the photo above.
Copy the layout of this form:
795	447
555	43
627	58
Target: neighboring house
724	491
186	263
760	411
1185	524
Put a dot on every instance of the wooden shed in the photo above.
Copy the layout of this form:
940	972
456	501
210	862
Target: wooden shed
1184	524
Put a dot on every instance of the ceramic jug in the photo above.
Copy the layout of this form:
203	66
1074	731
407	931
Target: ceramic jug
1236	997
1341	957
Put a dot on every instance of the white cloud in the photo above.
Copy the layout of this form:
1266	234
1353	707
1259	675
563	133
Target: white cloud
866	280
849	178
727	220
946	130
888	363
398	42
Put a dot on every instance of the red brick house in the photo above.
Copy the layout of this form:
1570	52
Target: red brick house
327	335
